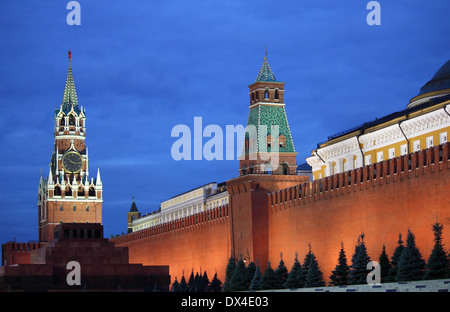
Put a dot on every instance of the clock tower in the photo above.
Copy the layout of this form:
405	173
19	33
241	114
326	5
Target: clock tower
69	194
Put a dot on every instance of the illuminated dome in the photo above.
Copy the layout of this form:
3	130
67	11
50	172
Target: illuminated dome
438	86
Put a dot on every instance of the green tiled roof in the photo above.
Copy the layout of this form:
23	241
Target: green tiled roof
70	94
269	115
70	100
265	73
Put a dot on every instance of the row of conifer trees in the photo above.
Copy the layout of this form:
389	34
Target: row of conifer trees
197	283
406	264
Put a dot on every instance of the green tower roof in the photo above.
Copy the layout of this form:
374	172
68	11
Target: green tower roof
268	116
70	94
265	72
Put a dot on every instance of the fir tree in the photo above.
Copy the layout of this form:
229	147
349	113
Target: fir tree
314	277
411	266
339	276
239	278
255	284
358	270
174	285
249	274
182	287
281	272
296	275
392	274
203	282
231	266
305	266
190	284
194	286
269	279
438	262
385	265
215	285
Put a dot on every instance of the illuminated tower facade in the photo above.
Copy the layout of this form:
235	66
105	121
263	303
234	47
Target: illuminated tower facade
268	147
69	194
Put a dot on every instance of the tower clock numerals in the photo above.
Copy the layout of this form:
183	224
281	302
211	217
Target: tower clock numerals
72	162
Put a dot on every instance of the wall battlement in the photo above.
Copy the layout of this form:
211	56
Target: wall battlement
19	252
183	224
384	172
200	242
380	200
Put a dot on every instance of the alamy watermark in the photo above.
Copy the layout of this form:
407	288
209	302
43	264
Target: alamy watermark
74	16
74	276
254	142
374	16
374	276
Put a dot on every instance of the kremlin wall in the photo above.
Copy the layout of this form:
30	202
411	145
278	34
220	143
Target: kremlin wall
380	200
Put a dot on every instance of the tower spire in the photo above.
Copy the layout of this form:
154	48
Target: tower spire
70	93
265	72
98	181
70	58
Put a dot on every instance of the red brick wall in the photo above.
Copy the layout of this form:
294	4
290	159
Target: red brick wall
199	242
250	214
18	253
409	192
381	208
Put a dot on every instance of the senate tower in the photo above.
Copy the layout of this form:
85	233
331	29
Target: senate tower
69	194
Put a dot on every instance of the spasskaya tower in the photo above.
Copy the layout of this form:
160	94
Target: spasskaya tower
69	194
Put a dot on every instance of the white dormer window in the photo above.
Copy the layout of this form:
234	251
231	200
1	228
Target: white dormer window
391	153
403	149
429	142
443	137
379	156
416	146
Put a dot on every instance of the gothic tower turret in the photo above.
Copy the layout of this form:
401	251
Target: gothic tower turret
69	194
132	215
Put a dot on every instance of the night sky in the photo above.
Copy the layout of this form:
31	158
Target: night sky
143	67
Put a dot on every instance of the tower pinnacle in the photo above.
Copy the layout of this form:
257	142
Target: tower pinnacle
70	57
70	94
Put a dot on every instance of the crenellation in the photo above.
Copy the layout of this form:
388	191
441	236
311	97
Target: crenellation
374	175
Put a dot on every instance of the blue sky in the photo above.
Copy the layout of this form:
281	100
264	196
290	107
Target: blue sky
142	67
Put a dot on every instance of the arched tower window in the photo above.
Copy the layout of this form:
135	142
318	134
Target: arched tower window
71	120
284	168
91	191
266	94
277	97
57	191
81	191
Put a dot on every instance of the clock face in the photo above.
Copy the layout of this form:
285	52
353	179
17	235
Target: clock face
72	162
